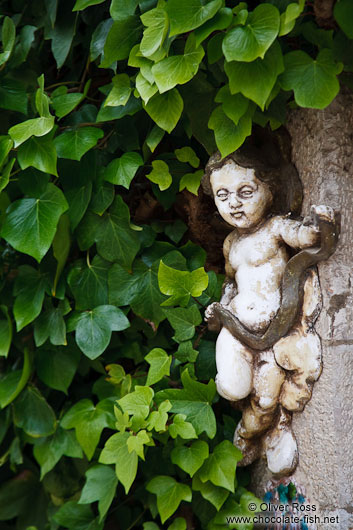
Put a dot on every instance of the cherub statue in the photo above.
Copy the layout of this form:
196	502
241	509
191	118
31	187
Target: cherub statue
268	354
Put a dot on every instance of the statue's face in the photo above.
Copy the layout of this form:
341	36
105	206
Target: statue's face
240	197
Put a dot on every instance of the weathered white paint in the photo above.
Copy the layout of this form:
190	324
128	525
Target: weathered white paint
279	379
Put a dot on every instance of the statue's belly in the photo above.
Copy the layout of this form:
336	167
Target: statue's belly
254	311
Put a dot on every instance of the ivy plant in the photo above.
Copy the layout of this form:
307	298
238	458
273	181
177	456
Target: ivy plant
109	415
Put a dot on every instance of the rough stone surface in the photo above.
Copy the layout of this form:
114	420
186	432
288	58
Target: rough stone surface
323	154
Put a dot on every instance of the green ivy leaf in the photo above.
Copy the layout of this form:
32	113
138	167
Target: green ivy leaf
176	230
6	145
82	4
165	109
158	418
137	402
121	38
191	181
116	452
187	154
186	353
5	332
234	105
13	95
116	241
169	493
74	144
61	247
183	321
29	290
160	174
35	127
121	9
74	516
186	15
180	285
51	325
63	33
102	199
122	170
190	459
64	103
254	80
99	36
89	421
120	93
229	137
314	81
145	89
30	224
182	428
178	69
221	20
6	172
48	451
56	368
33	414
78	199
39	153
252	40
101	483
194	400
178	523
157	24
139	288
343	12
220	466
213	494
94	329
136	443
124	286
14	382
8	36
289	17
89	284
26	38
159	363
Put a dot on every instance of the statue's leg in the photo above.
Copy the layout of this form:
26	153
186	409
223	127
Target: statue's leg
280	446
234	367
300	354
263	409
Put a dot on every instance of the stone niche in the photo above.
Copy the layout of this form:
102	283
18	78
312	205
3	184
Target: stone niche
283	319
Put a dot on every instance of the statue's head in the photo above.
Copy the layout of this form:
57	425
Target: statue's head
241	198
252	183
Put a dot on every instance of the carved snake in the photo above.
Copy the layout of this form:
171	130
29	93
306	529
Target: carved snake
291	289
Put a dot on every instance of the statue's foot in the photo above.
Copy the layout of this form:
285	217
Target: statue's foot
250	447
280	447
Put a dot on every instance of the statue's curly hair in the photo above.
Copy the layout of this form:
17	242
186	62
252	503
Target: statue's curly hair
264	154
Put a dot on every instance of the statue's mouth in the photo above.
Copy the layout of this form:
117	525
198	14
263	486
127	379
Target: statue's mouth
237	215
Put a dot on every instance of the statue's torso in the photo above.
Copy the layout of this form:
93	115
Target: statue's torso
259	260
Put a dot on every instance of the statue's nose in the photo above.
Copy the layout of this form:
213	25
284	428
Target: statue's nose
234	201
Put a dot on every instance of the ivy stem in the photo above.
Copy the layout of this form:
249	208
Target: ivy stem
136	520
196	300
61	84
15	172
87	260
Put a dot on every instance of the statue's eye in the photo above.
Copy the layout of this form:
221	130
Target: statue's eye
246	192
222	194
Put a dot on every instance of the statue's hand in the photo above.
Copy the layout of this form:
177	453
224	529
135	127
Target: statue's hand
319	213
212	317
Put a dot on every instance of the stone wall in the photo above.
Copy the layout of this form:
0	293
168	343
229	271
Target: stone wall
322	150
